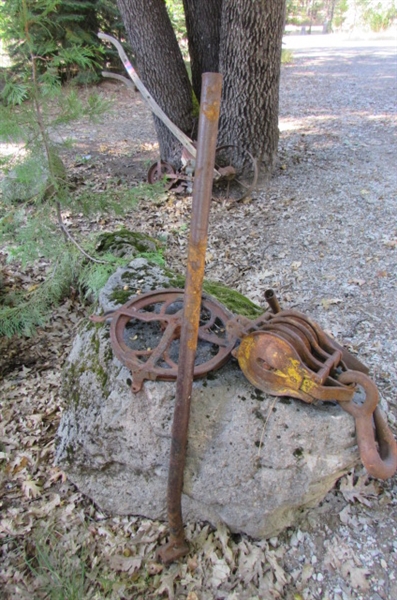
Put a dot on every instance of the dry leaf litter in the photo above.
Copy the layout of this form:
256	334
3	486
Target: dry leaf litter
323	233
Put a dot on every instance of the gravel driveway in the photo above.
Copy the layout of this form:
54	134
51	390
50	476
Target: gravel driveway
329	247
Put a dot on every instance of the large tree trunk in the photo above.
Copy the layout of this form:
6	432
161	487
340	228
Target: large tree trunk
241	39
250	59
161	68
203	24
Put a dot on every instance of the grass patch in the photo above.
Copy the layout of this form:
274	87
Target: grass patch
58	574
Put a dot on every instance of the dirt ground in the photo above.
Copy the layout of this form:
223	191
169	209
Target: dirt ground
323	234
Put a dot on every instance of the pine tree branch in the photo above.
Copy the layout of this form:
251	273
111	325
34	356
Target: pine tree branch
39	116
69	237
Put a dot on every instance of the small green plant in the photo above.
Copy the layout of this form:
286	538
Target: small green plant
377	15
69	25
379	19
58	574
328	14
35	191
30	235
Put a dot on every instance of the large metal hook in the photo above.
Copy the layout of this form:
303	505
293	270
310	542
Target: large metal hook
376	443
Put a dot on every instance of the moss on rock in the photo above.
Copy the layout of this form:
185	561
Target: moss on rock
124	243
144	276
122	296
94	361
231	299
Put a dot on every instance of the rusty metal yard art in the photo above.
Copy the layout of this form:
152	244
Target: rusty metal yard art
181	181
282	352
182	334
153	354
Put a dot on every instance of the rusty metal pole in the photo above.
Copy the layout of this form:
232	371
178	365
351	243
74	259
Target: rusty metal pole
202	194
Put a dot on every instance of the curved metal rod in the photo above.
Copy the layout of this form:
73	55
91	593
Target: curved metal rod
212	338
371	427
178	133
140	315
124	80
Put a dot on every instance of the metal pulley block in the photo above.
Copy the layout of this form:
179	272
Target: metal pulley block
289	355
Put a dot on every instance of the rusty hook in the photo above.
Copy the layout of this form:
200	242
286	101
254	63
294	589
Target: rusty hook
371	428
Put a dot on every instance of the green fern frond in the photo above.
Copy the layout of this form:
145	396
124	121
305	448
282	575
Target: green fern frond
10	127
96	106
70	108
116	199
27	181
50	82
22	319
74	55
10	222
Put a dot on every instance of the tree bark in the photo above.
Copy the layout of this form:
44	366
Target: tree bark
160	65
203	24
239	38
250	60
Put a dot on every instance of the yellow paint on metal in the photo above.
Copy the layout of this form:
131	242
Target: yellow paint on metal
309	386
211	111
292	373
291	376
244	352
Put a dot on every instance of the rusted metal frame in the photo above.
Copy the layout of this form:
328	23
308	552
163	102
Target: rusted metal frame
202	193
294	336
350	361
155	108
376	443
271	361
323	340
308	347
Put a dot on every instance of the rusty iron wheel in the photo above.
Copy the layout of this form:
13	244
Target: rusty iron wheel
145	336
162	170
